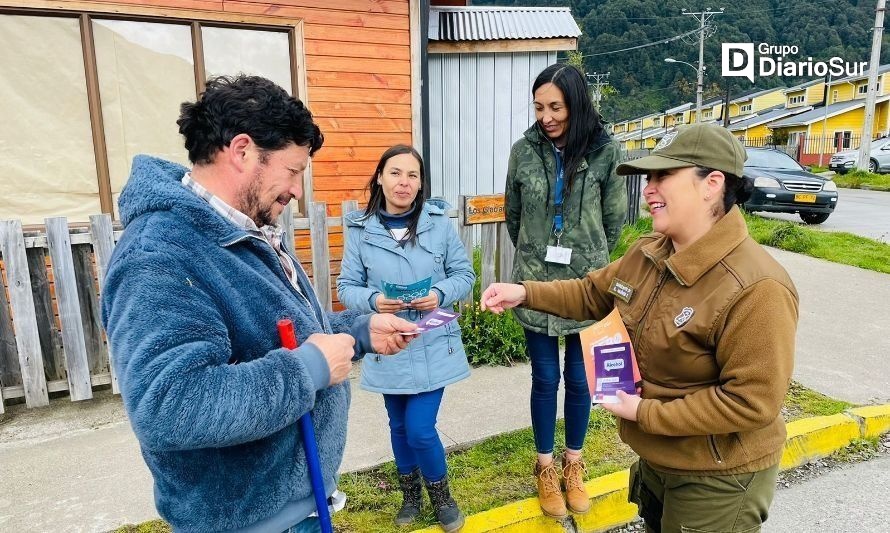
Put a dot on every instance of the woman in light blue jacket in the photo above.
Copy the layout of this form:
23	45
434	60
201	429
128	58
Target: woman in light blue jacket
400	239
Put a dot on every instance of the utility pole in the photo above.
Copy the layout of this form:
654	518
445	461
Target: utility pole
825	119
726	103
865	144
702	17
599	83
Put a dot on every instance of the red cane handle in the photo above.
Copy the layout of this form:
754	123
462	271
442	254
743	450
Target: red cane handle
286	334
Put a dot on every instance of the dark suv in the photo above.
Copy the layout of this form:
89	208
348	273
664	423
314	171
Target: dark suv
781	185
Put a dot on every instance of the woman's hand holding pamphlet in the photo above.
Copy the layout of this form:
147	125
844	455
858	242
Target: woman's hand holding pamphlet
609	359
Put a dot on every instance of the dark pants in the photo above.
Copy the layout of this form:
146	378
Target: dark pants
543	351
412	431
673	503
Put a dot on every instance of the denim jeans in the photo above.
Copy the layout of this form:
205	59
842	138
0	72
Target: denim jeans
543	351
412	431
309	525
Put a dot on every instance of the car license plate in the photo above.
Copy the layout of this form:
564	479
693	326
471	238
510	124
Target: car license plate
805	198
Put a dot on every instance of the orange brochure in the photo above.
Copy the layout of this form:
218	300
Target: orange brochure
609	359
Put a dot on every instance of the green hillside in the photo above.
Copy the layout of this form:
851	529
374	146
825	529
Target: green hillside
644	83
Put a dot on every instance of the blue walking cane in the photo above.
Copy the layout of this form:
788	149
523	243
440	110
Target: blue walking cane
310	445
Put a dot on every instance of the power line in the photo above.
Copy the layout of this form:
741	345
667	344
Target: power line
645	45
743	12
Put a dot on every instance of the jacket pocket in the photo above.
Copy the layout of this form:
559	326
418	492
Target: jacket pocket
715	452
392	372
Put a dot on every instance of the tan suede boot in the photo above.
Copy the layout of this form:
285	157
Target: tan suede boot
573	476
549	493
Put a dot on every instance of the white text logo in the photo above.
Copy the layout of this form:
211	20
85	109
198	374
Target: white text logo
739	60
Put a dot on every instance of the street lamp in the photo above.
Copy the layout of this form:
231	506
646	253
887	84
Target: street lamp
698	88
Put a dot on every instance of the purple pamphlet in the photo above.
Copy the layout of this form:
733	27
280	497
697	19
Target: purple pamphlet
613	371
438	317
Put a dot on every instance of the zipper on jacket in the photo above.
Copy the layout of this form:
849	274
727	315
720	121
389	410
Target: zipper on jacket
652	299
712	443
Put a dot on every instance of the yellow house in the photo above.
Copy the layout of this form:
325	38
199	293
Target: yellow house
831	128
619	127
754	130
711	110
756	102
682	114
651	121
809	93
851	88
639	133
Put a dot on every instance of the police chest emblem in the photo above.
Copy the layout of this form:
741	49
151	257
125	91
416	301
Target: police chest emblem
621	289
684	316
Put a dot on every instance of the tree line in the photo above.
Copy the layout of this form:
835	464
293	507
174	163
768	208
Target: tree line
643	83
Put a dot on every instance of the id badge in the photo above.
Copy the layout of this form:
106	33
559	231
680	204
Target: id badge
559	255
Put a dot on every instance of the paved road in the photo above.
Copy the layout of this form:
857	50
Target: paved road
851	499
865	213
843	336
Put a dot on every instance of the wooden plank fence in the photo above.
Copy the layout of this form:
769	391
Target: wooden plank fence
42	354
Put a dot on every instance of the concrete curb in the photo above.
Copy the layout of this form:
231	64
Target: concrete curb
808	439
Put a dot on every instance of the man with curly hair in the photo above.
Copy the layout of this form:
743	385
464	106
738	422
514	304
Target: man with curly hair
195	288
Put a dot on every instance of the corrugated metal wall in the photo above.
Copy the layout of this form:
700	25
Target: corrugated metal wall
479	105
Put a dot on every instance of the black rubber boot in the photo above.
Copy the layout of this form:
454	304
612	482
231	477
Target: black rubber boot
449	516
412	497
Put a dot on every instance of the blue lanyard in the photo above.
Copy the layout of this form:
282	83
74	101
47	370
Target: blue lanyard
557	198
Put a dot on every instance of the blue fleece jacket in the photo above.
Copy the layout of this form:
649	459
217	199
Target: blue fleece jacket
190	305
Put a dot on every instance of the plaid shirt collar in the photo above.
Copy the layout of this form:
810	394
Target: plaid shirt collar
269	232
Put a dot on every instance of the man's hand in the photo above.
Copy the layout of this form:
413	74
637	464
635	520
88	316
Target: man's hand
388	333
626	407
501	296
385	305
427	303
338	351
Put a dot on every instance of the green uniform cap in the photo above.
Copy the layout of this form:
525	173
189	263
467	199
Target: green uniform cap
696	145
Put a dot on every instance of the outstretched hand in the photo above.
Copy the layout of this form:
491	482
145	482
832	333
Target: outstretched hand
390	334
501	296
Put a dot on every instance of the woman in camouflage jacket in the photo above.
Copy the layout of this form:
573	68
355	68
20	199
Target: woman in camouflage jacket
564	207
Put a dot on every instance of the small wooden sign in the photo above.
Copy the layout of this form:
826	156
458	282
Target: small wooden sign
484	209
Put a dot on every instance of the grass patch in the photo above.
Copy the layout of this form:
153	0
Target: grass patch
629	234
154	526
801	402
861	179
498	470
815	169
490	474
857	450
835	246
